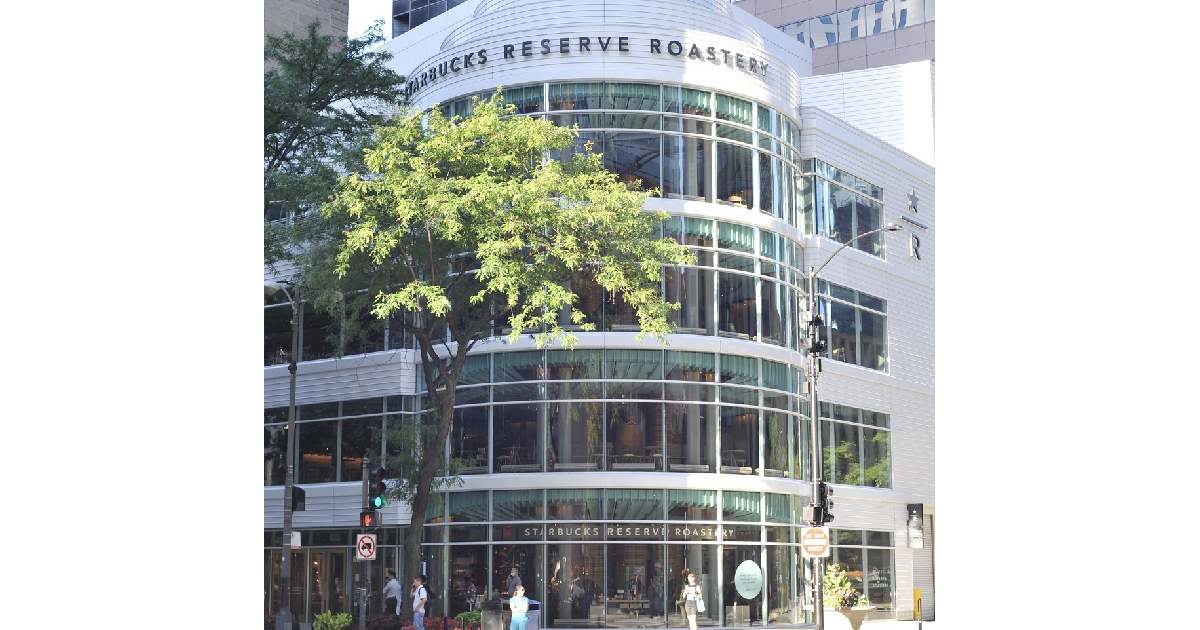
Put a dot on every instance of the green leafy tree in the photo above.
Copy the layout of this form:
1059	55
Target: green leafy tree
322	96
845	457
456	223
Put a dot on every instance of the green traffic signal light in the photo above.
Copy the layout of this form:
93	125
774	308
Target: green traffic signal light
378	502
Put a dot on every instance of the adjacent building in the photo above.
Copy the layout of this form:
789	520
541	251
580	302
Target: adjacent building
600	473
294	16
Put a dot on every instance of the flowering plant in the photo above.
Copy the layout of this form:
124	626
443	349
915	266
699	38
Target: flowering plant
838	591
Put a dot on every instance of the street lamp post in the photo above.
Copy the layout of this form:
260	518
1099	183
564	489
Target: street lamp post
814	431
283	620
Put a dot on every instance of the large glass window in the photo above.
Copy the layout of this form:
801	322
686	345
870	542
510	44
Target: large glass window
635	436
318	447
776	444
277	333
691	437
692	288
360	437
735	174
856	325
575	436
635	593
739	440
573	505
518	505
275	458
469	439
737	305
685	168
575	582
517	437
857	446
781	564
528	560
468	577
692	505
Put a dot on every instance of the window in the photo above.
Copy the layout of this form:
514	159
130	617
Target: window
685	168
869	558
634	436
691	437
736	305
277	337
318	446
856	325
517	437
469	439
735	175
575	436
739	440
855	452
360	438
629	504
275	459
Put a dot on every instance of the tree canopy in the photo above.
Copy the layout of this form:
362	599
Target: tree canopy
322	96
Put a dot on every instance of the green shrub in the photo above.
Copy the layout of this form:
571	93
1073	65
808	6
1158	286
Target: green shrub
470	616
329	621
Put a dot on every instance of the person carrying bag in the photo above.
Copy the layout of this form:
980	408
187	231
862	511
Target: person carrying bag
693	599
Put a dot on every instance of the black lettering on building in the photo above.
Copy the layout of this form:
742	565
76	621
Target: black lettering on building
726	52
527	48
695	52
585	44
712	53
605	41
762	68
482	56
675	48
753	65
564	45
623	44
508	51
655	46
467	60
454	64
741	61
545	47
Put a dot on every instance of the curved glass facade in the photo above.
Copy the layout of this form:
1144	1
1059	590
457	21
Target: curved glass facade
630	410
687	143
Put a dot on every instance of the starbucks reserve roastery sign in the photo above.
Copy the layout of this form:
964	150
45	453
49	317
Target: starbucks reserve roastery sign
533	49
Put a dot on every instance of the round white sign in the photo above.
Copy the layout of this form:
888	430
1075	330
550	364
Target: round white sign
748	579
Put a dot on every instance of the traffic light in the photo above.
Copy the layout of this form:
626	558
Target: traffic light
816	341
377	489
824	503
368	519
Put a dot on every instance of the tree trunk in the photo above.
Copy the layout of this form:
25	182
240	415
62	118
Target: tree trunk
416	530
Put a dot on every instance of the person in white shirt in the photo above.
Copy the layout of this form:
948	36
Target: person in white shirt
419	596
391	594
692	598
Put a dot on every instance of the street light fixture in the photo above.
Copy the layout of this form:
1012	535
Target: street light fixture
815	347
283	620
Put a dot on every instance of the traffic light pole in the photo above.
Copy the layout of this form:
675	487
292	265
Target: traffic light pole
814	438
283	620
364	571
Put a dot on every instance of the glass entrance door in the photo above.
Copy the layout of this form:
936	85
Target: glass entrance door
328	587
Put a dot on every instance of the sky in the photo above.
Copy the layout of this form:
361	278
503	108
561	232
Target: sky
363	12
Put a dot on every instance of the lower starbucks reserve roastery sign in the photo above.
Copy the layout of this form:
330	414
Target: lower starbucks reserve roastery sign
558	46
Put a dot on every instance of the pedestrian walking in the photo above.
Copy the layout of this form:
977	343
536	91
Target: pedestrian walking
519	605
392	591
420	595
693	599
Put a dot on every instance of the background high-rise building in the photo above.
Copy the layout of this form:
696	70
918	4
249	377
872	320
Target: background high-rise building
852	34
294	16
